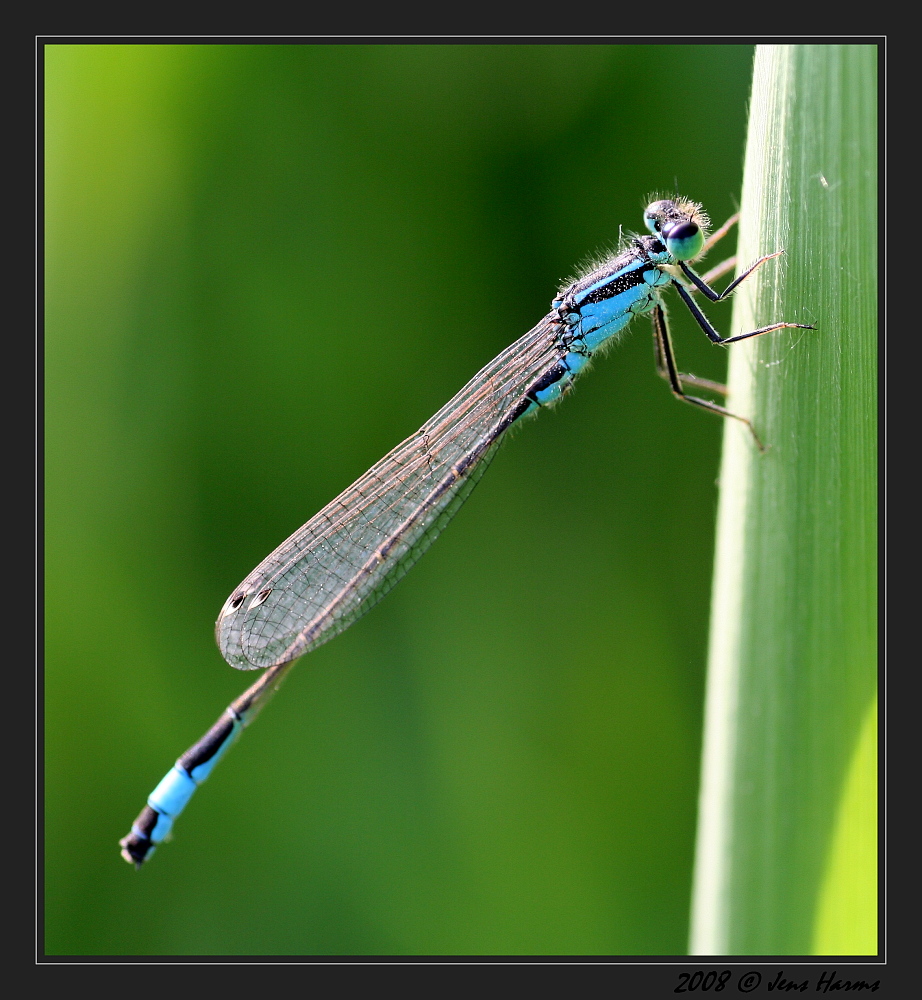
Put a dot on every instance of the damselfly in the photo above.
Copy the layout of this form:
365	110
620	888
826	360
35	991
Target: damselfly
345	559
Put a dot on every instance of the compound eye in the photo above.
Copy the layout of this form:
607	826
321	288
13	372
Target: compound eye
684	240
653	214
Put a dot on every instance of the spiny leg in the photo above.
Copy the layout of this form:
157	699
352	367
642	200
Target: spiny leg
703	284
706	289
725	266
686	380
665	362
705	323
719	270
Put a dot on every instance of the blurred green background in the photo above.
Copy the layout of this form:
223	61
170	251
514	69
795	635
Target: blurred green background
266	265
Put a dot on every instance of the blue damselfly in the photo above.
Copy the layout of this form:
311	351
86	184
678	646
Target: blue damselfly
344	559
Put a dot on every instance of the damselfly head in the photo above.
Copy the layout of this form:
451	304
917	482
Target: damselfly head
682	226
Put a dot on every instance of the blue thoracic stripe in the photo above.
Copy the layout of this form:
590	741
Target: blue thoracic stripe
596	309
342	561
620	281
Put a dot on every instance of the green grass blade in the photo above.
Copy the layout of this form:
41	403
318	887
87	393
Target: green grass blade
786	859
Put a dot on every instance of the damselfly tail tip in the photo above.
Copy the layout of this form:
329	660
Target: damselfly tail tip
135	849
